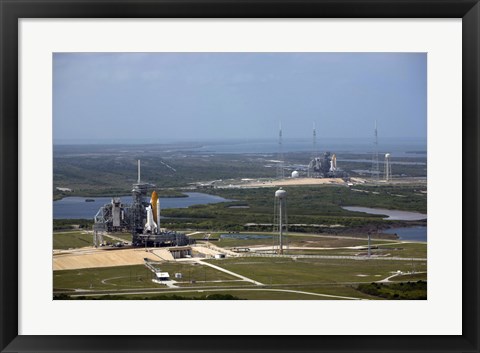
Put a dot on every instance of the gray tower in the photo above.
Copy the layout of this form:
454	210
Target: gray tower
138	213
314	152
375	169
280	163
388	167
280	218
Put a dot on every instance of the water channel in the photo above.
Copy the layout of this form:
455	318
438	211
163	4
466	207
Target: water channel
409	233
404	233
392	215
79	208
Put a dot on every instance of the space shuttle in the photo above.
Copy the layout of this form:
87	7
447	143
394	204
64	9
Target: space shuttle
333	163
150	226
153	214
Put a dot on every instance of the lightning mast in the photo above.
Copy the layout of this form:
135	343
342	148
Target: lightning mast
280	165
375	168
314	151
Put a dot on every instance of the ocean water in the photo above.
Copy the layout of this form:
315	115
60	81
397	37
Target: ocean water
398	148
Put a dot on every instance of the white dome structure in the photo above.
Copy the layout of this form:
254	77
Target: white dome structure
295	174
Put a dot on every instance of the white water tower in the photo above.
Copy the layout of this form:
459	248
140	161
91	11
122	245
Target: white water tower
280	217
388	167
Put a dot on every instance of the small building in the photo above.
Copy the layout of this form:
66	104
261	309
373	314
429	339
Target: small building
180	252
162	276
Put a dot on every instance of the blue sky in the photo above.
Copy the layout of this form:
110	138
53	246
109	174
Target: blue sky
216	96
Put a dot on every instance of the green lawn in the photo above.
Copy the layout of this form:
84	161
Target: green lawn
409	250
296	240
255	294
413	277
124	236
194	272
332	277
104	278
315	271
128	277
201	283
233	243
418	250
71	239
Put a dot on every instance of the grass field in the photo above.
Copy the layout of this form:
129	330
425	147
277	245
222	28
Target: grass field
283	278
127	277
410	277
98	278
315	271
79	239
194	272
406	250
295	240
250	294
71	239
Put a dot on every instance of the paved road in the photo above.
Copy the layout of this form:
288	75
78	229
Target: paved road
230	290
230	272
360	258
387	279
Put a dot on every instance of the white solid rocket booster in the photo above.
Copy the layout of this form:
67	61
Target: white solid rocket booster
158	215
150	226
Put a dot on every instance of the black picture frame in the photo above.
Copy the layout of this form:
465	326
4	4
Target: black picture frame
12	10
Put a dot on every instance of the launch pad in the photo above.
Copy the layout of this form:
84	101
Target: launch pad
325	166
141	218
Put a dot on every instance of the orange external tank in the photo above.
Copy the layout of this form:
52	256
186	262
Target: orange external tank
153	202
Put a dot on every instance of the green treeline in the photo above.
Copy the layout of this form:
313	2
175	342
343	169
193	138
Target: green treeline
59	224
111	170
153	297
306	205
396	291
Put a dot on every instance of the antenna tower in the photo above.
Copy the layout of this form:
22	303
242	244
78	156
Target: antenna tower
314	151
375	169
280	165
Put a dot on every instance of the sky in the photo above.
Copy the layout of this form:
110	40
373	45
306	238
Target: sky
168	97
